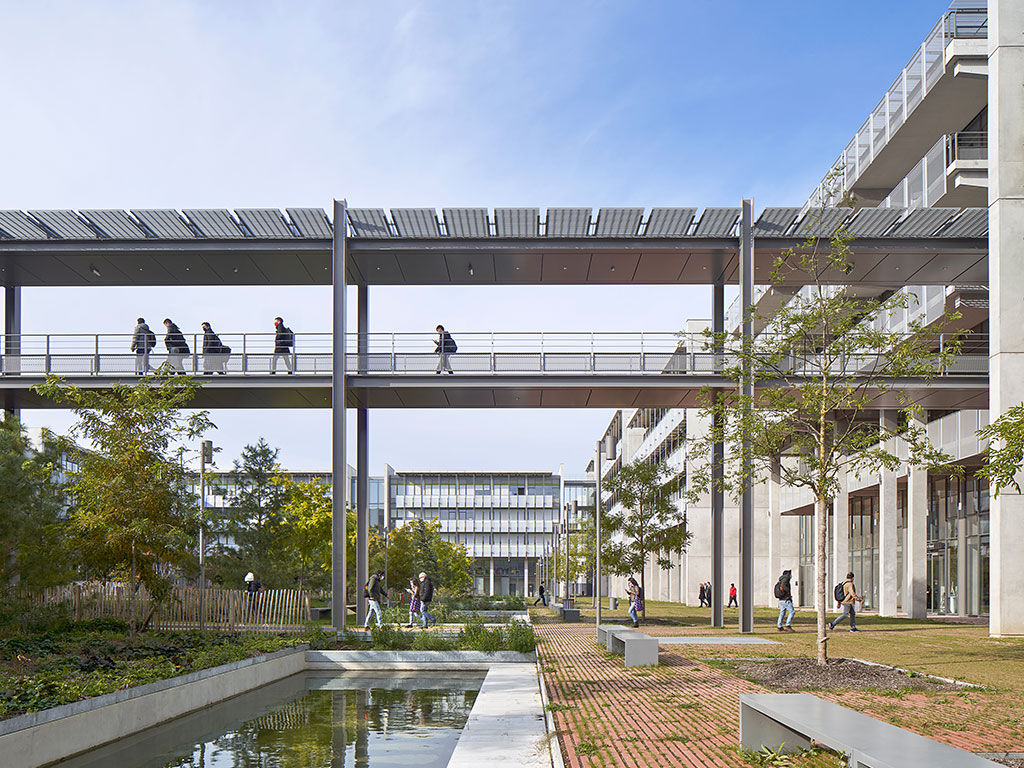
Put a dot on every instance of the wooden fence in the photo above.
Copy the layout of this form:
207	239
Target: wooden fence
225	609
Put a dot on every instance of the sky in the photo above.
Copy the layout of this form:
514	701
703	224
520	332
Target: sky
231	104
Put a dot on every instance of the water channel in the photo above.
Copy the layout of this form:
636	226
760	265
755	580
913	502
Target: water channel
307	721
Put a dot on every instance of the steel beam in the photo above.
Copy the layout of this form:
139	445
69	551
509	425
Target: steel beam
746	277
362	463
12	340
339	481
717	470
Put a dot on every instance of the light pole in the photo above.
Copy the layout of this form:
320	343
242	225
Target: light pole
606	446
205	454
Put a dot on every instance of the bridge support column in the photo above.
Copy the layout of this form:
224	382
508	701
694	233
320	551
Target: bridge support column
915	543
491	592
12	340
362	460
746	273
717	470
888	529
1006	282
339	480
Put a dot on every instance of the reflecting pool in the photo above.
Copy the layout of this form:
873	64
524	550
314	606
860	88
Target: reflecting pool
310	722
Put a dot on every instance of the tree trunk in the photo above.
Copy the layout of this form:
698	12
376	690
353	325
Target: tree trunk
643	591
131	595
822	587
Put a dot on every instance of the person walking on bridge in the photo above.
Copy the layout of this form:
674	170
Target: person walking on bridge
143	341
215	352
446	347
284	342
176	345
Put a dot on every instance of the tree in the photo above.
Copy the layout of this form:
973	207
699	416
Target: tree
646	519
417	546
1005	452
253	518
817	368
131	508
34	551
306	529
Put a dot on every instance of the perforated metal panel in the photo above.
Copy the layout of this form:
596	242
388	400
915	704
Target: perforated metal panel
618	222
821	222
166	224
568	222
18	226
214	223
264	222
717	222
311	222
874	222
415	222
516	222
924	222
973	222
466	222
368	222
669	222
64	224
775	222
115	224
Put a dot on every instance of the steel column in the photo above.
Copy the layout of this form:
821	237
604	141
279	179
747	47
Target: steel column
362	460
717	467
746	277
597	534
12	340
339	480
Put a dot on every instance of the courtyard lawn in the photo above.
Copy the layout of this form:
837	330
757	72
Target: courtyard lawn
685	712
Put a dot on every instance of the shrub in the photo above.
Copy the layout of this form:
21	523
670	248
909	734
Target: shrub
428	641
476	637
387	637
519	637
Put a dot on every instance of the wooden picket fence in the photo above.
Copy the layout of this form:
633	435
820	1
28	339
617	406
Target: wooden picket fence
226	609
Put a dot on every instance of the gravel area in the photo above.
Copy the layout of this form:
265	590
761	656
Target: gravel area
804	674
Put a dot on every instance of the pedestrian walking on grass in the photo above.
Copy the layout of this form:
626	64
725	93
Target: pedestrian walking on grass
143	341
445	347
636	600
705	595
374	597
426	597
176	345
850	597
414	600
732	597
542	596
784	594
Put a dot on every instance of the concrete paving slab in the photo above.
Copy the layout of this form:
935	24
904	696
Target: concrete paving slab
715	640
506	726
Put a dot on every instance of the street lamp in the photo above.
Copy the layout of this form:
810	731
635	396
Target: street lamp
205	455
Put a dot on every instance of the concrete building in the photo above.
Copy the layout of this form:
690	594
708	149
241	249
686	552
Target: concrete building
946	134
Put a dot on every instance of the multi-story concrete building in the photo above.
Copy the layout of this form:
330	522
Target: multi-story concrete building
924	145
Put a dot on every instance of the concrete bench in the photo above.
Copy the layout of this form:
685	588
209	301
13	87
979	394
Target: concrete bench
565	614
792	720
639	650
604	629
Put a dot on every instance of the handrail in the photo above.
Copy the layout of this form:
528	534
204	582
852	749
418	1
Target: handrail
390	353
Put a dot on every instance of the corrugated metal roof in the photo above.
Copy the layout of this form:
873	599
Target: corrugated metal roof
264	222
165	224
16	225
516	222
310	222
64	224
821	222
415	222
874	222
568	222
115	224
717	222
466	222
973	222
775	222
618	222
924	222
669	222
214	223
368	222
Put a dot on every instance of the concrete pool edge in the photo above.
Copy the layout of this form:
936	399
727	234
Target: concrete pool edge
40	738
351	661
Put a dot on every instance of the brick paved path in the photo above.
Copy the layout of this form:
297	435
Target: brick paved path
685	712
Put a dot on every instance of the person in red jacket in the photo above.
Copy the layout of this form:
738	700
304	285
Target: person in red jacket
732	596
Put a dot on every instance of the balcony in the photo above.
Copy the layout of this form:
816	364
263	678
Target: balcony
942	87
952	174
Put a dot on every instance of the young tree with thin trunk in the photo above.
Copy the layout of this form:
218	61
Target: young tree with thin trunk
646	523
820	368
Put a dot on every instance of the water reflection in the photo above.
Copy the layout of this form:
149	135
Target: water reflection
390	722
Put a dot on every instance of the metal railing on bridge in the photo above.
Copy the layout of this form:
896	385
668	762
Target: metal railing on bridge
401	354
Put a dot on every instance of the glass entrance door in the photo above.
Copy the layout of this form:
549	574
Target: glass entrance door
936	593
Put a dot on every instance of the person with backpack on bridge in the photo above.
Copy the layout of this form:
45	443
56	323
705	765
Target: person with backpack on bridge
445	348
784	594
143	341
846	595
284	342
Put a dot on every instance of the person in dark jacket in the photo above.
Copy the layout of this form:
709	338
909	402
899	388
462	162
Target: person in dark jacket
705	596
284	341
784	594
445	347
542	596
375	596
143	341
426	597
215	352
176	345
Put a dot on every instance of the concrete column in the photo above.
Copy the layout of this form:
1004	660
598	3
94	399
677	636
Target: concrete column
526	577
961	562
915	544
362	460
746	279
491	593
775	566
339	479
888	523
841	532
1006	285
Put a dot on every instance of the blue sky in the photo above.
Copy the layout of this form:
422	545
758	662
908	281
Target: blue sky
232	104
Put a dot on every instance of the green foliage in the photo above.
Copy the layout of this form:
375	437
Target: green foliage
1005	452
306	530
477	637
650	524
418	547
132	512
317	638
430	641
387	637
519	637
34	550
